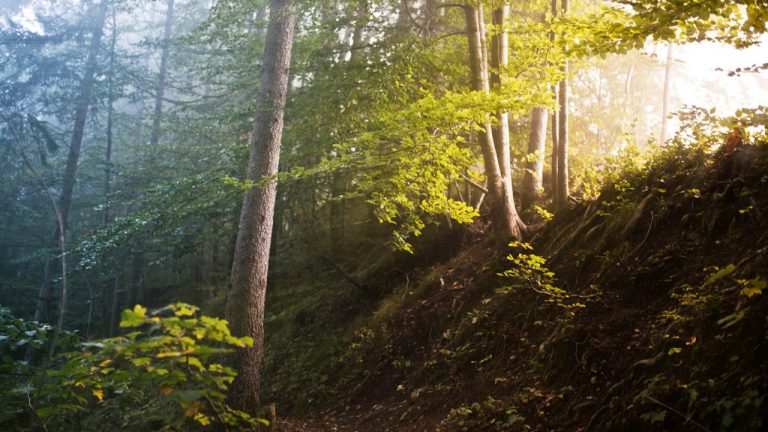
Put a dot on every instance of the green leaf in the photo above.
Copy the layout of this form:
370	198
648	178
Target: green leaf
133	318
730	268
755	287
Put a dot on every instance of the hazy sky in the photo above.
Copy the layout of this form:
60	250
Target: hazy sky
696	79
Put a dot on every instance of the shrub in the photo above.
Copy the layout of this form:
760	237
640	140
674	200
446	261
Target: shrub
163	374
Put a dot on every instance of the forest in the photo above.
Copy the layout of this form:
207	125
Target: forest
383	215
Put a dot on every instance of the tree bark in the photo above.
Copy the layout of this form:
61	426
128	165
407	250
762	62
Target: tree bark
137	270
248	280
532	179
665	102
555	126
561	197
110	117
555	137
114	309
108	315
154	139
83	103
506	221
499	61
60	230
81	111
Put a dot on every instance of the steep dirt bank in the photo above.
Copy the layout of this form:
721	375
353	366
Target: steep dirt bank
660	324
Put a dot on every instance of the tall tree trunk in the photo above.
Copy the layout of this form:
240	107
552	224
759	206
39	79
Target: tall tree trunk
532	179
499	61
665	102
162	74
555	127
107	314
137	268
561	197
44	292
107	217
81	111
60	230
338	212
506	221
83	103
114	309
248	280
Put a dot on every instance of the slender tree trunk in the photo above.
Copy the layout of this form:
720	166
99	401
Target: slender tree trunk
555	123
665	102
106	311
44	292
81	111
137	267
506	221
114	309
555	127
338	212
110	117
561	198
139	125
499	61
89	320
361	20
532	179
599	131
60	230
83	103
107	315
162	74
248	280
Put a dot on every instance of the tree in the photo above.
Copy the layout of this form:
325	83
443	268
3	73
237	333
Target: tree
162	74
83	103
561	192
340	179
665	97
555	123
248	280
534	168
506	221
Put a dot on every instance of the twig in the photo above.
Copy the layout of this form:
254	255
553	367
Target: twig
476	185
29	402
686	417
407	282
650	225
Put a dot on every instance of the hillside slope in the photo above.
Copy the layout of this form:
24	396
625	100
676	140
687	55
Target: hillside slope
643	310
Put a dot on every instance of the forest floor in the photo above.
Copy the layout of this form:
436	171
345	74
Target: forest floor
297	425
661	326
